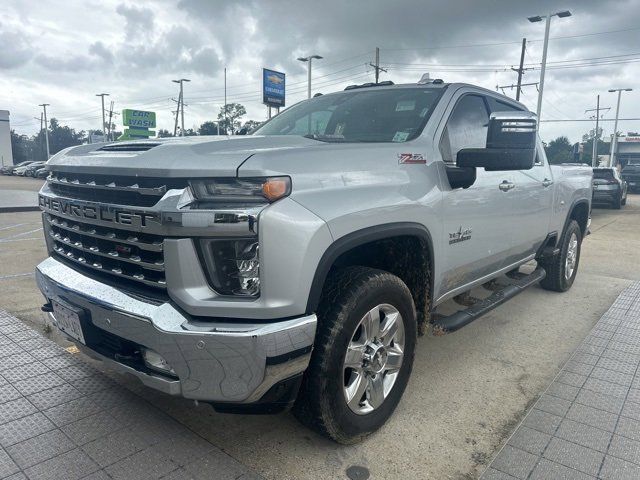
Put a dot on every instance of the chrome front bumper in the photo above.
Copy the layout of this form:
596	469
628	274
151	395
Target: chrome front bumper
216	361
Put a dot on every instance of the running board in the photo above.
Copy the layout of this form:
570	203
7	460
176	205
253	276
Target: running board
455	321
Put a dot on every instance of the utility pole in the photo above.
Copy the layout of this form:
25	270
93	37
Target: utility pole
226	125
102	95
46	127
181	103
614	140
596	134
176	113
309	59
110	117
376	66
521	69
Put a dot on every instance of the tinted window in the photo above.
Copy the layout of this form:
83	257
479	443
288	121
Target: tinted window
496	105
603	173
466	127
384	115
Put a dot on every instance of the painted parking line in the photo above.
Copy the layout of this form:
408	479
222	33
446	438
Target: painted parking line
17	235
15	226
16	275
20	239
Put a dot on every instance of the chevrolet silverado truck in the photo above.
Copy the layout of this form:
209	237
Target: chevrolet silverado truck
296	266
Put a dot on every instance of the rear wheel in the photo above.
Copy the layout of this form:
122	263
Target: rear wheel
617	202
562	268
362	357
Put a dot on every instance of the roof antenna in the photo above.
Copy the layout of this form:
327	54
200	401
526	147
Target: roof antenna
424	79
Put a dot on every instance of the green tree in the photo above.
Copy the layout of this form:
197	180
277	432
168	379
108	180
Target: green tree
559	151
22	147
164	133
210	128
251	125
230	115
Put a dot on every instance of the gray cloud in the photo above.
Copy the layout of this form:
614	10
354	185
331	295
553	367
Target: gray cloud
138	20
15	48
141	48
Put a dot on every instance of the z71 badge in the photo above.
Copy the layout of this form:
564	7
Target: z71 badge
460	236
411	158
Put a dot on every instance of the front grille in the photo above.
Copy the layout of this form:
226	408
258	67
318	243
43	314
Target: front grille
116	190
135	257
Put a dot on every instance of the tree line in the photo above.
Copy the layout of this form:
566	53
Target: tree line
33	147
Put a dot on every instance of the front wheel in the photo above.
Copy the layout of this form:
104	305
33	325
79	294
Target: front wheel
362	357
563	268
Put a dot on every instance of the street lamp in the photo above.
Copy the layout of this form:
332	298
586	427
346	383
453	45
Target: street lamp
563	14
309	59
614	141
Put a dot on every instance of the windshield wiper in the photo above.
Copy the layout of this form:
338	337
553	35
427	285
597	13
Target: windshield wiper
328	138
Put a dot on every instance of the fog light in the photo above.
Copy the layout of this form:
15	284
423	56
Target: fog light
155	361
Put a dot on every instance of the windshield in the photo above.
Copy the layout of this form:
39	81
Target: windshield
385	115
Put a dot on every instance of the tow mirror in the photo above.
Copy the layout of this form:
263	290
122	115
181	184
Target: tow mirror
511	144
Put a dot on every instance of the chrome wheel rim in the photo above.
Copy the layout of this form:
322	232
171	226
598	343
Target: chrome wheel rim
373	359
572	257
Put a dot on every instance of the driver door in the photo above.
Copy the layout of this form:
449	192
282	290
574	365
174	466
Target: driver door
478	220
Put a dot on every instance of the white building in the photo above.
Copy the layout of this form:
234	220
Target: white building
6	155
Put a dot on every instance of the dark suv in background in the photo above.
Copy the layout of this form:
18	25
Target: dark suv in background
631	174
609	187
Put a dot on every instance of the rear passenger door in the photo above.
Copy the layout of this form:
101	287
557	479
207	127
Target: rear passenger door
478	221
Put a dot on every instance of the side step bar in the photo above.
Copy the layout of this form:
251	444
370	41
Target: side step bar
453	322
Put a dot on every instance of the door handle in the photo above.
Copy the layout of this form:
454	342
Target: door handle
547	183
505	186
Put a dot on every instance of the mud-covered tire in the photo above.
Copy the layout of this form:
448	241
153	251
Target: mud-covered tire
348	295
556	267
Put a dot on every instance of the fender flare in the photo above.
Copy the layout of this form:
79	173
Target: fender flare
576	203
361	237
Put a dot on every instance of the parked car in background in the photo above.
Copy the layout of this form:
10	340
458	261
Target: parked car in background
631	174
42	173
609	187
10	169
31	169
20	170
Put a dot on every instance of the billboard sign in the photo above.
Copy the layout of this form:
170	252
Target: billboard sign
273	88
138	118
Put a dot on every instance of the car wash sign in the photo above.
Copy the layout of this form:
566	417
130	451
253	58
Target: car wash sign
138	124
273	88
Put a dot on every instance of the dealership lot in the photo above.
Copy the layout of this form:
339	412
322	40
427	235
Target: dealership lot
469	391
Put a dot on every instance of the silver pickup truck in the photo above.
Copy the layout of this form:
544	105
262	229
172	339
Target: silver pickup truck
295	267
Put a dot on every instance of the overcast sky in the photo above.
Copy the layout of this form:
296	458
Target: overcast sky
64	52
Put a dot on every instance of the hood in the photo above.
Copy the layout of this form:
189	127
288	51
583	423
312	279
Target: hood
173	157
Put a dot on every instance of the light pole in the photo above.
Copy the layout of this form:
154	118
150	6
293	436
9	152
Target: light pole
102	95
563	14
614	141
309	59
181	81
46	128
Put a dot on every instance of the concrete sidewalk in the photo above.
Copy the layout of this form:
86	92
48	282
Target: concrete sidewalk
62	419
18	201
587	423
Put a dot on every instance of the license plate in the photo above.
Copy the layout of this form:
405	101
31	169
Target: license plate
68	321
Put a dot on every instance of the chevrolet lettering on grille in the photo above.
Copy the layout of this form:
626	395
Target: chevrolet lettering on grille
100	213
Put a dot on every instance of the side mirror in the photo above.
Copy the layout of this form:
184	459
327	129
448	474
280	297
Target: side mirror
511	144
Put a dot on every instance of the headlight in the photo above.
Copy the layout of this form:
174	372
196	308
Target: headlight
248	190
233	266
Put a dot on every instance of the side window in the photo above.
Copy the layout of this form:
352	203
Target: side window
465	128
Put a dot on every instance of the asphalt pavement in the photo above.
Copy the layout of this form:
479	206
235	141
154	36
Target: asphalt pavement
468	392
